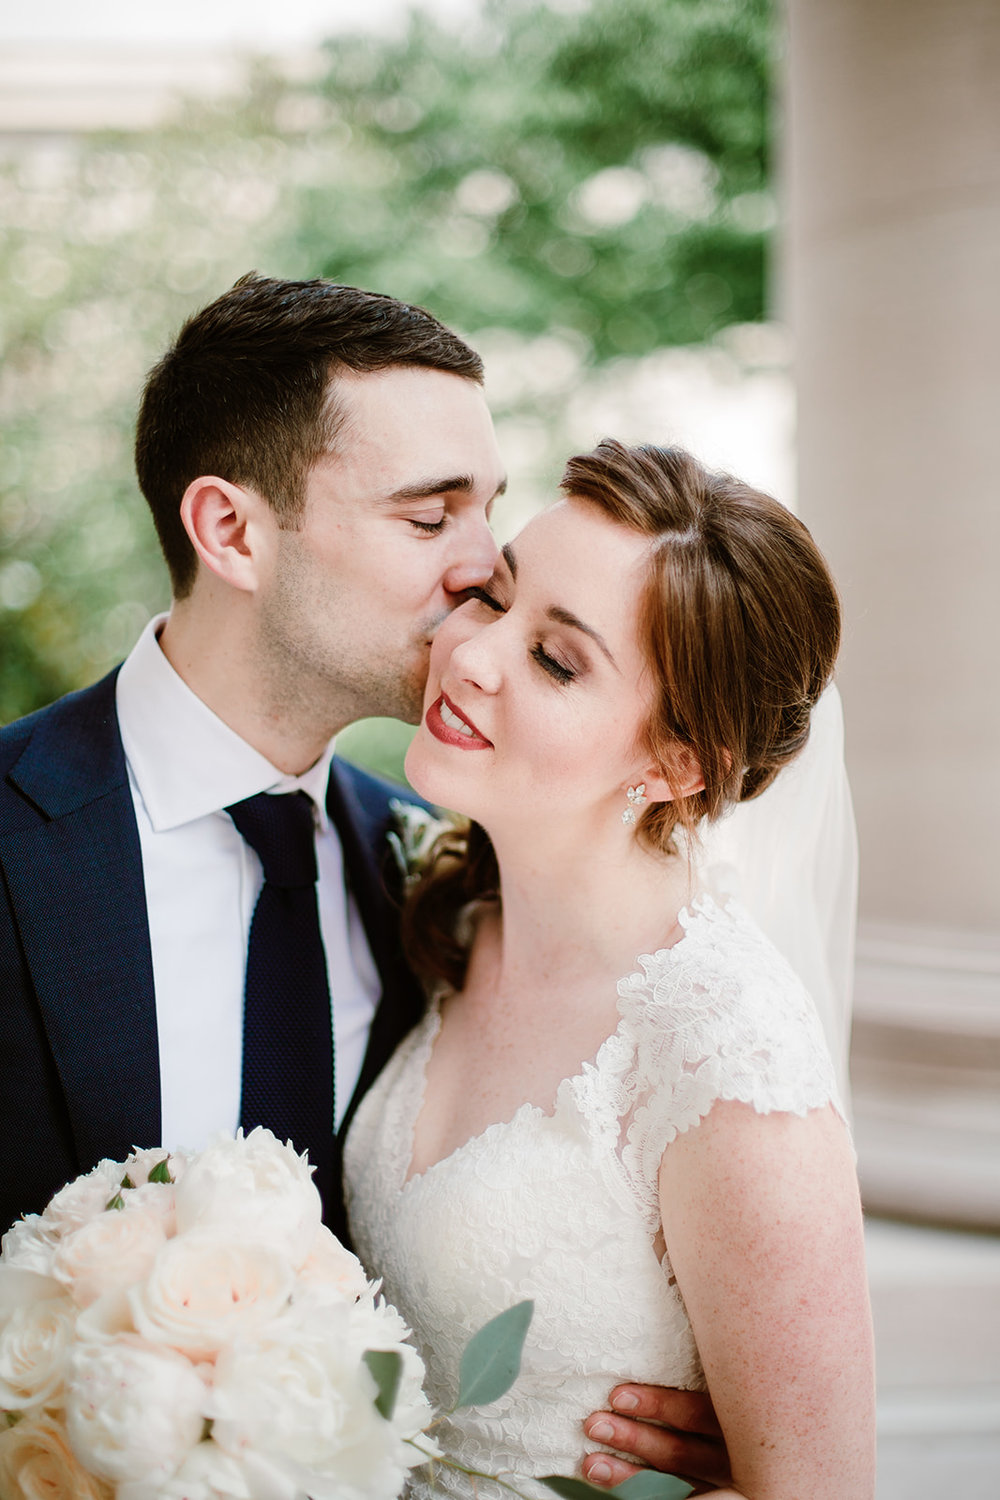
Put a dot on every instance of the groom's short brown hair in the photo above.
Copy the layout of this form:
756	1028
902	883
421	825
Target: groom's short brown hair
244	390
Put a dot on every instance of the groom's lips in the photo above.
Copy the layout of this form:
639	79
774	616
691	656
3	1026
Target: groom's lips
449	734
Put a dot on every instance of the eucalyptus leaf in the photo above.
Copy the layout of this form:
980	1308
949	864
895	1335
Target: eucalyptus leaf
571	1489
492	1358
648	1485
386	1366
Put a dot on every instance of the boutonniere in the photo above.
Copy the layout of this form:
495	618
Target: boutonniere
415	833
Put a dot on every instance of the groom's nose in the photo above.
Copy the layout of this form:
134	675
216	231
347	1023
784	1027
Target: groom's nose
473	555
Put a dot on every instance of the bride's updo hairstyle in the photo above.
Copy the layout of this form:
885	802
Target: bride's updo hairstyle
740	624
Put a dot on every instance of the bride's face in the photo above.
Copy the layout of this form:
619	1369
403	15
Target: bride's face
538	691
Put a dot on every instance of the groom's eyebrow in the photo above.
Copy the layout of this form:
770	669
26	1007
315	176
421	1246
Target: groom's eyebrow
426	489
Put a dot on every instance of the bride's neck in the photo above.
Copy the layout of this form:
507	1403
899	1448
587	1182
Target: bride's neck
580	909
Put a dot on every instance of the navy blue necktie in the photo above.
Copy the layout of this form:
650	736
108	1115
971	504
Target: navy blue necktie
287	1023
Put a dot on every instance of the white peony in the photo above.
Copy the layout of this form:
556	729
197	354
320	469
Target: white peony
257	1189
109	1253
300	1403
37	1463
206	1474
133	1411
82	1200
34	1342
207	1288
332	1271
29	1244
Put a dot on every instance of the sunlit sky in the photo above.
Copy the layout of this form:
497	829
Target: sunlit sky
249	23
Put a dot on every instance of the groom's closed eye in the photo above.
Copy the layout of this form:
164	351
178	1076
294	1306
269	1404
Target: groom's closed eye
490	600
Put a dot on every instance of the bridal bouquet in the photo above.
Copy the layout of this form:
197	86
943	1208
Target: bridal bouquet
183	1327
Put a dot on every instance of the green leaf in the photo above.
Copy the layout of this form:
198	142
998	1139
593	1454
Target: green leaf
648	1485
117	1202
571	1489
161	1172
127	1181
11	1418
492	1357
645	1486
386	1366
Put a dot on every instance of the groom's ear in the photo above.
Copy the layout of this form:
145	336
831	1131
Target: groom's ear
228	527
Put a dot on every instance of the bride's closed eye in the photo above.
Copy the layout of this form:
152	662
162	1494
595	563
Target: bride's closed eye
550	664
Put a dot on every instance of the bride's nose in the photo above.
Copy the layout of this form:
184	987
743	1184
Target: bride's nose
478	659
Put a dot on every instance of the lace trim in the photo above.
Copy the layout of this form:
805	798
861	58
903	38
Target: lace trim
694	1027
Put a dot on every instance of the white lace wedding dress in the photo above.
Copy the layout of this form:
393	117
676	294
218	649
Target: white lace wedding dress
562	1207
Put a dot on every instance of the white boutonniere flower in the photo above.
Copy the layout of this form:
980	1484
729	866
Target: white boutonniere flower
414	836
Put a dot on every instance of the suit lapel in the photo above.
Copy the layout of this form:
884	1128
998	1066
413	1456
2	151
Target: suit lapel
74	869
359	807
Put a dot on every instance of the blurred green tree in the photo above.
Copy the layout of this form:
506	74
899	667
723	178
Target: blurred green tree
604	170
601	170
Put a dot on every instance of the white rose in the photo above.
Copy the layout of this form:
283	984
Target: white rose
302	1402
206	1474
257	1188
34	1344
332	1271
133	1411
83	1199
37	1463
28	1243
109	1253
207	1288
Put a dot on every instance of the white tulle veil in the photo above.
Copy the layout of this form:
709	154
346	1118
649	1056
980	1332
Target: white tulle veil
791	857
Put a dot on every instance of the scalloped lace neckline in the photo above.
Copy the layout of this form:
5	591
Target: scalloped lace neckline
702	909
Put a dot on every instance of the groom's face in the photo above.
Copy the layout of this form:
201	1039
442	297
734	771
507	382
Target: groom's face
395	529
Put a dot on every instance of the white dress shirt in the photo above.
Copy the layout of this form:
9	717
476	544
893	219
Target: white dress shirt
202	882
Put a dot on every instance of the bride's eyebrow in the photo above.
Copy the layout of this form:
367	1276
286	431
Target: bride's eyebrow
559	614
566	617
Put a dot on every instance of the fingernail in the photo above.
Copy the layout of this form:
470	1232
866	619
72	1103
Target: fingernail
599	1472
601	1432
625	1401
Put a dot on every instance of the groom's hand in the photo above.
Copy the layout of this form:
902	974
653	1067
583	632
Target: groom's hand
675	1432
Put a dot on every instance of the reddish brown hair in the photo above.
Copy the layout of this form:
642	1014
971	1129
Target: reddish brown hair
740	623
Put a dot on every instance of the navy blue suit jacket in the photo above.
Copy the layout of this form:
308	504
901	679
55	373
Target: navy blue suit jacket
79	1066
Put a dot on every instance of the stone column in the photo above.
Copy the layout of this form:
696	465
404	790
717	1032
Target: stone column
891	280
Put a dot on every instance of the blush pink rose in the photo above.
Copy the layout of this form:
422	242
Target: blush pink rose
207	1288
113	1251
37	1463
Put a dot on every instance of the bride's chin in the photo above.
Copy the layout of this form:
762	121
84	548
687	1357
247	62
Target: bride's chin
423	769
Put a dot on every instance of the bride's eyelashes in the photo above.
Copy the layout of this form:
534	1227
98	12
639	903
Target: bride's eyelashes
555	668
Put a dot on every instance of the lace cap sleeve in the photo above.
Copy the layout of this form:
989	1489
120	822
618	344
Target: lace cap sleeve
719	1016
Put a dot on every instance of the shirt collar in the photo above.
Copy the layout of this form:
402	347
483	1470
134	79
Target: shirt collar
184	760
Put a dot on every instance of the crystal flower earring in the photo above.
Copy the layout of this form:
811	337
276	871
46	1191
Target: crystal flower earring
636	797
